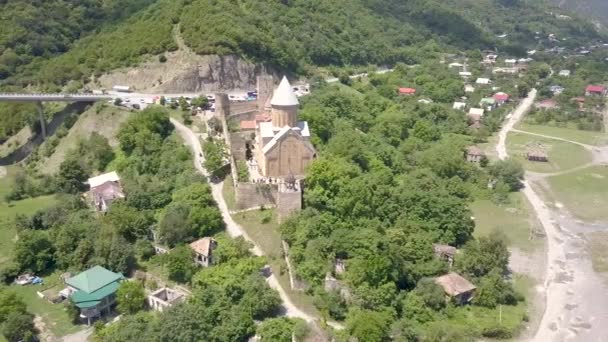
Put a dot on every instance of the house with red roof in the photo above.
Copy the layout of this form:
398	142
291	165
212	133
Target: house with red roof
407	91
595	90
501	98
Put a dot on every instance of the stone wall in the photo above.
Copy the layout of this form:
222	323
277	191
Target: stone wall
288	202
250	195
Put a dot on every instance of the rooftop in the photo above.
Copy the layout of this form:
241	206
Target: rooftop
284	95
93	279
108	191
106	177
454	284
203	246
473	151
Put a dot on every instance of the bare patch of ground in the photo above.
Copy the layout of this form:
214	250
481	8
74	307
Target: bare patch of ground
102	118
184	72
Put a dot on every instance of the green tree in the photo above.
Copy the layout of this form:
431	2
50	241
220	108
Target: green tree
130	297
276	329
200	102
180	264
71	176
19	327
34	251
367	325
478	258
509	172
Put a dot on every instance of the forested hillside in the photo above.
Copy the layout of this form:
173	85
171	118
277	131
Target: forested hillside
47	44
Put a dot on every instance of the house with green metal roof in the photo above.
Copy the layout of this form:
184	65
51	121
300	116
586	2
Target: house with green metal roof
488	103
93	291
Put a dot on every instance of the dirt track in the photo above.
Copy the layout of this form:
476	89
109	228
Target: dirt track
576	297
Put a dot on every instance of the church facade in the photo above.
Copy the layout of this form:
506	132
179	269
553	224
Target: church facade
282	145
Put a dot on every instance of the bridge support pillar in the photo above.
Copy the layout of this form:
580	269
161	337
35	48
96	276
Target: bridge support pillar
42	119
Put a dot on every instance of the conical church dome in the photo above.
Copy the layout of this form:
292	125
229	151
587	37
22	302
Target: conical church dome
284	95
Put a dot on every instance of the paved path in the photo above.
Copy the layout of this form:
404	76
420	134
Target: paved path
234	229
575	300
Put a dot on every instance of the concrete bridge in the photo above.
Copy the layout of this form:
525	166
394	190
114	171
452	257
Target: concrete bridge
45	97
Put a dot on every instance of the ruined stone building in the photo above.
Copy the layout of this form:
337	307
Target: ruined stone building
282	145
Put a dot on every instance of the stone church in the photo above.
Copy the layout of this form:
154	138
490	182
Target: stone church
282	146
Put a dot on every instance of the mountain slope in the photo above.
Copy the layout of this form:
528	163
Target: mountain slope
56	43
597	9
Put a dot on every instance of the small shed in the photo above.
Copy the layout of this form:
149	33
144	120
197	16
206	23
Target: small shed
484	81
456	287
445	252
488	103
459	105
474	154
536	154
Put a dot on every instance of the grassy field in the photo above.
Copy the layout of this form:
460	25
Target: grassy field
513	219
228	192
54	316
103	119
268	238
562	155
584	192
568	133
6	181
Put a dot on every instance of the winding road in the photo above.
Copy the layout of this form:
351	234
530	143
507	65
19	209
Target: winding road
234	229
575	296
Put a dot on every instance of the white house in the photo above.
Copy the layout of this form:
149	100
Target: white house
565	73
459	105
468	88
482	80
465	74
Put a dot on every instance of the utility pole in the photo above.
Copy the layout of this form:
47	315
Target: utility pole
42	119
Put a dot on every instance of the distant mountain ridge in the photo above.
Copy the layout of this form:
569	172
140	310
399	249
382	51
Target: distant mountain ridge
597	9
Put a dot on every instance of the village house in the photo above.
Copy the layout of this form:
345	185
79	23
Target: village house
164	298
203	251
456	287
488	103
510	62
546	104
501	98
505	70
407	91
93	292
465	74
474	154
459	105
455	65
425	101
475	114
484	81
469	88
556	89
564	73
595	90
104	189
283	146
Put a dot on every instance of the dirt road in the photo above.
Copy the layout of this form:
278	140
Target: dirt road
575	296
192	140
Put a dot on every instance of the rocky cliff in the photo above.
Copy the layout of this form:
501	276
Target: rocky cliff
184	72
